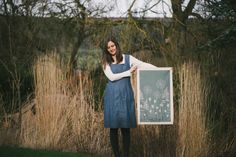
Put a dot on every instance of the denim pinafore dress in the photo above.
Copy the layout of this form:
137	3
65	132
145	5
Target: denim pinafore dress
119	108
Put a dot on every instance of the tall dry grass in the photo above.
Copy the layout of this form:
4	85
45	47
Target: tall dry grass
192	122
64	116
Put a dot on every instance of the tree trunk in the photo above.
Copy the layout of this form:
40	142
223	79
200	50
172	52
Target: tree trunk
180	18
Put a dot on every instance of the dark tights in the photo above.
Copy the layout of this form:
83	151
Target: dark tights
115	142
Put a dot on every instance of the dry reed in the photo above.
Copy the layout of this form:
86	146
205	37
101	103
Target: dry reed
44	129
192	122
64	116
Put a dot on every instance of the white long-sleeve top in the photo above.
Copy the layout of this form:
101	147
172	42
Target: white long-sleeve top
133	61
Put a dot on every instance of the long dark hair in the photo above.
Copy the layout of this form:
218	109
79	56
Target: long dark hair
107	58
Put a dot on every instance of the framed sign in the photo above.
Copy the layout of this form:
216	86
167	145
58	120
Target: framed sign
155	96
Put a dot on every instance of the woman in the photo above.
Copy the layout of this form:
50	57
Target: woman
119	108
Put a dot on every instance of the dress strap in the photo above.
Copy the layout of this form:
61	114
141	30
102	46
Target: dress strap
127	61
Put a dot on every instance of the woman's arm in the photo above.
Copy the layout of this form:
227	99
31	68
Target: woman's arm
113	77
141	64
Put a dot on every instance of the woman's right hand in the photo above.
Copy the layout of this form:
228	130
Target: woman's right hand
133	68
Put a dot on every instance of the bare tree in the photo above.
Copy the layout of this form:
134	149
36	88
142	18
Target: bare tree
83	15
180	16
181	11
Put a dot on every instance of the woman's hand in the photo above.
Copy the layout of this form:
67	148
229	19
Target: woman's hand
133	68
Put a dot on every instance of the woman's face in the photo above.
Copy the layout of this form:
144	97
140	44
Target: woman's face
111	48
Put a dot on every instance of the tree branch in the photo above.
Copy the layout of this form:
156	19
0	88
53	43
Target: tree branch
176	7
188	10
130	7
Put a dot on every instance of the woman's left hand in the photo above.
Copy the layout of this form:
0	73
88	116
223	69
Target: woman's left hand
133	68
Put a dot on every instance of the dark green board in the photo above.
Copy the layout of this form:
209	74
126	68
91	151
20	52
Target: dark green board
155	96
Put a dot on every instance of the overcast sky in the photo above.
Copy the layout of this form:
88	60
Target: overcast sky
163	8
156	8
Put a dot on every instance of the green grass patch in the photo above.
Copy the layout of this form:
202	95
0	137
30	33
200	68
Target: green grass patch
9	151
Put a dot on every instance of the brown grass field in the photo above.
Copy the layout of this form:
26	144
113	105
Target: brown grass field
65	118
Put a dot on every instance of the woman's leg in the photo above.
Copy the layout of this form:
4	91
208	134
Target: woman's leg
114	141
126	140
